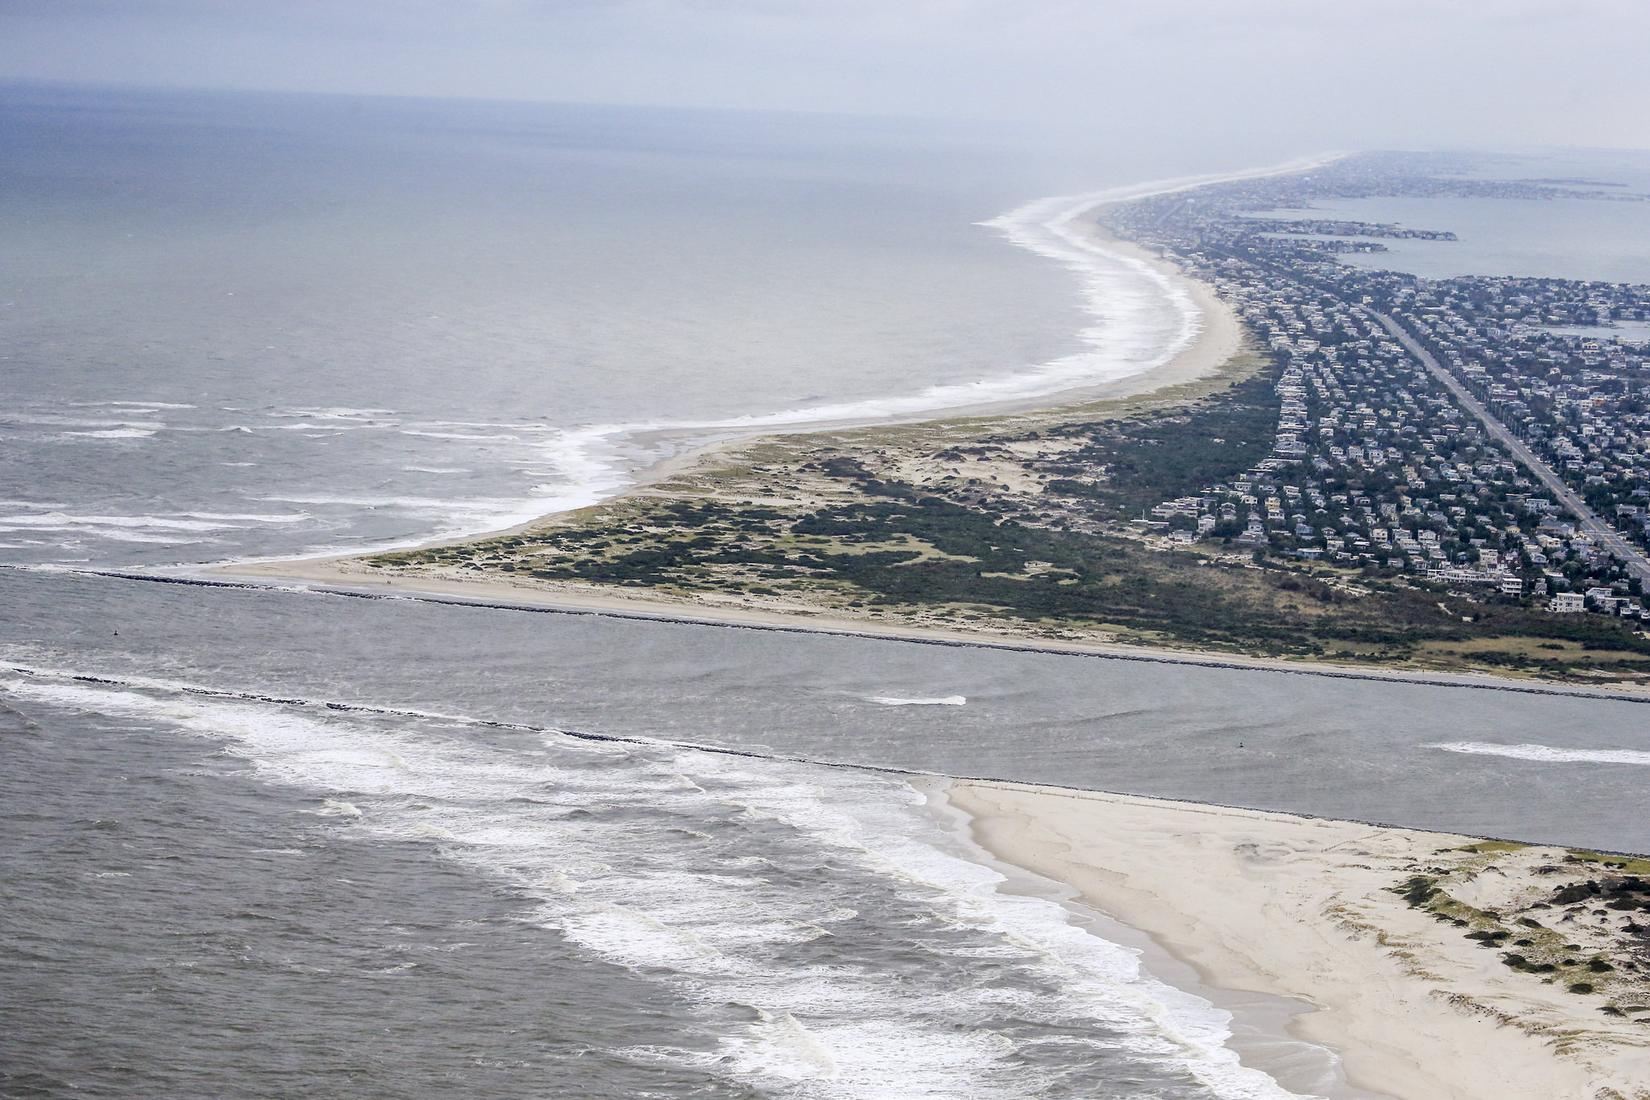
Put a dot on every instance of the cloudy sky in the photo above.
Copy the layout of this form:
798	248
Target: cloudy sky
1317	73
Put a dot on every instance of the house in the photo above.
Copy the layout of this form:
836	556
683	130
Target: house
1567	603
1605	599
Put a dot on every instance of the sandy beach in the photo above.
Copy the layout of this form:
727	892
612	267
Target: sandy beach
1307	909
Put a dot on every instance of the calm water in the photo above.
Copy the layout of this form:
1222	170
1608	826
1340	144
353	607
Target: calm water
1556	238
244	325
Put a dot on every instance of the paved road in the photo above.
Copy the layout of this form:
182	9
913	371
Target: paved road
1601	532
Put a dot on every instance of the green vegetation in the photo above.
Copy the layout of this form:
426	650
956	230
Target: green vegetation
1157	456
1025	524
1515	929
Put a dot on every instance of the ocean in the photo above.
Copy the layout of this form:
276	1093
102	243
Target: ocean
259	842
243	326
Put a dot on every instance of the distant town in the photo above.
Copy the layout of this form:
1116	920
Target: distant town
1486	435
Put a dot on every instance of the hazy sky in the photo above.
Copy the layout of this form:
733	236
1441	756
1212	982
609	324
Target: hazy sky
1318	73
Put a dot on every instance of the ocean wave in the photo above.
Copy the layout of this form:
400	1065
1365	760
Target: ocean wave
64	521
919	700
123	534
131	405
1097	978
937	999
58	420
113	433
439	505
504	425
468	437
333	412
250	517
1545	754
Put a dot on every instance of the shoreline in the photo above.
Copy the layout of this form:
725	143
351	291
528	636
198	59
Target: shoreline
1218	338
334	576
1259	1026
1304	910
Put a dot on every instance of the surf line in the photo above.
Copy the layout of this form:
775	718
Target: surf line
378	710
999	645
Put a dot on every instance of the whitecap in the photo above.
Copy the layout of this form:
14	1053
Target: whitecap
1545	754
920	700
113	433
132	405
62	521
332	412
471	437
252	517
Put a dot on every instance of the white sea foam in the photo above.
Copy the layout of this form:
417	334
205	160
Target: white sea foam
114	433
505	425
439	505
591	833
122	534
333	412
58	420
132	405
250	517
1545	754
64	521
468	437
920	700
1099	978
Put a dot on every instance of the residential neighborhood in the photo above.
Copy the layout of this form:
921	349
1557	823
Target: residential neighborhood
1505	456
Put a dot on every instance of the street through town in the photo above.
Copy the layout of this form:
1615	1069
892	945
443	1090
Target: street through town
1590	522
